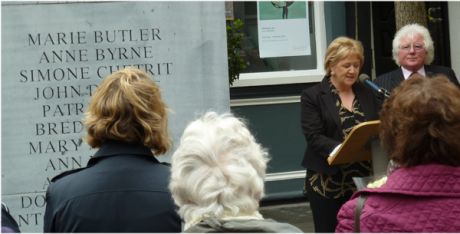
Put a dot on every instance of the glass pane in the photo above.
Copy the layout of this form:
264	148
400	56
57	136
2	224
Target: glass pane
247	12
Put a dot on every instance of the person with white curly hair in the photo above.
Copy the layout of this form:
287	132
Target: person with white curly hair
217	177
413	52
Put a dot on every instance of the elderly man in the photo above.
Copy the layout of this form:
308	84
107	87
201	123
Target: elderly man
413	51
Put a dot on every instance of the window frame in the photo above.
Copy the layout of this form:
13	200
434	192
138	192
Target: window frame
298	76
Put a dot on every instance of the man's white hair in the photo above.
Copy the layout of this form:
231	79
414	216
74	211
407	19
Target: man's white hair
218	169
411	30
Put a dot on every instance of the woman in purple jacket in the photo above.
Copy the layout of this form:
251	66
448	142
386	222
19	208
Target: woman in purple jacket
420	129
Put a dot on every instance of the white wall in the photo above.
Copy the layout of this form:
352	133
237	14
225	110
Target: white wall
454	20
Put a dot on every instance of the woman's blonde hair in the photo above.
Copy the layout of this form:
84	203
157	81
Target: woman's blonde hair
127	106
339	49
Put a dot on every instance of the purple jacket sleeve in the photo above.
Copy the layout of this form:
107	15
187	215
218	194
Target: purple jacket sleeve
345	217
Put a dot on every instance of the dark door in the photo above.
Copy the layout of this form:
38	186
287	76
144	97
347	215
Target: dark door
438	24
383	16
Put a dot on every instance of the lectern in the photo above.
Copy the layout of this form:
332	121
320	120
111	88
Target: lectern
362	144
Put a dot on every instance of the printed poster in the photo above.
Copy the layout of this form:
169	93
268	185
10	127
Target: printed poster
283	29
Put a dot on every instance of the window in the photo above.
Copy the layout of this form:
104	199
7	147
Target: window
280	70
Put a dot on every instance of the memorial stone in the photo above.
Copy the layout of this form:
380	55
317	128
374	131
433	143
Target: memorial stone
55	54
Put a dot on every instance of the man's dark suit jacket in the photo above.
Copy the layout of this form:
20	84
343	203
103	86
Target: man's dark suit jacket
321	124
390	80
123	189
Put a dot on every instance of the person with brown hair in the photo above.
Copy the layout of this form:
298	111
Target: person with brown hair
124	188
329	110
420	130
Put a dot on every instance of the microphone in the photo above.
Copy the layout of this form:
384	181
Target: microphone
366	79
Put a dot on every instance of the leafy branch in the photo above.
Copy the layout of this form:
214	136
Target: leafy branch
236	63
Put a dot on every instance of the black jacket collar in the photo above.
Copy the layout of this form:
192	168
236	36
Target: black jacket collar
116	148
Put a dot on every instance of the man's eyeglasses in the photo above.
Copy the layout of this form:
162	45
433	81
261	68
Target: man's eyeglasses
408	47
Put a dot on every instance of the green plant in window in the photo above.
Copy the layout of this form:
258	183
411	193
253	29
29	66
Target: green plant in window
236	62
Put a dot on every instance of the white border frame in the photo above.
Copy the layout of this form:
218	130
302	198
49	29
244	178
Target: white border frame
282	176
264	101
299	76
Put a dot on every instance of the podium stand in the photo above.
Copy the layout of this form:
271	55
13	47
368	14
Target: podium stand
362	144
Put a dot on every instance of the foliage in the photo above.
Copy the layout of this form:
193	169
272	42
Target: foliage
236	63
